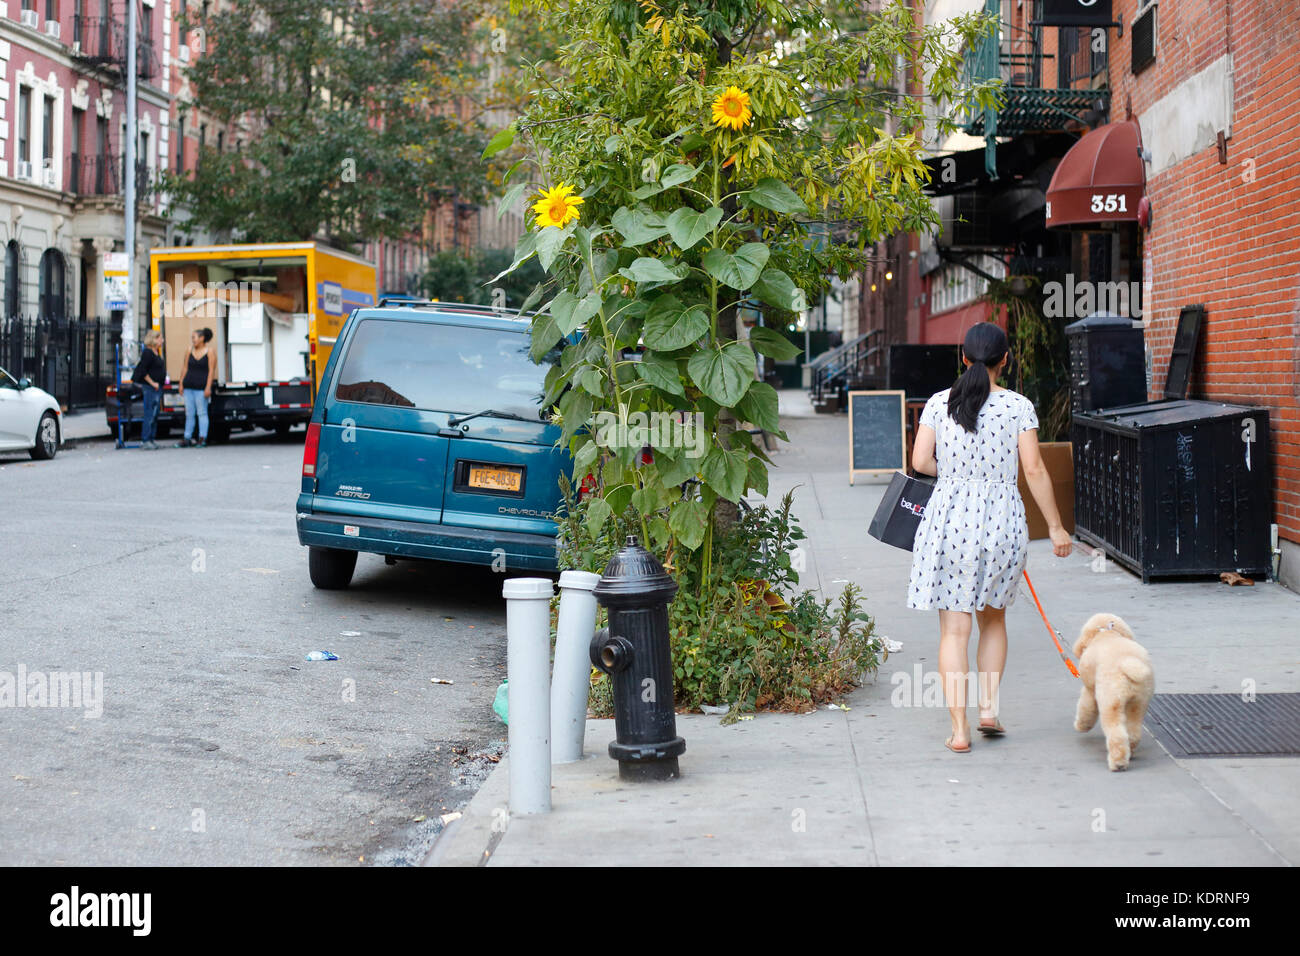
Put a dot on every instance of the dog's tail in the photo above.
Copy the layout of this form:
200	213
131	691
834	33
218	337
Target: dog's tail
1135	669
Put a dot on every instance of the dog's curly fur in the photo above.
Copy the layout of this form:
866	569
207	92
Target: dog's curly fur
1117	685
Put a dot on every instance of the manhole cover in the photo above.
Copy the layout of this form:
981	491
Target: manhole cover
1225	725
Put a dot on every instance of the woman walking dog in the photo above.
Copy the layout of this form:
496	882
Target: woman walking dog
971	545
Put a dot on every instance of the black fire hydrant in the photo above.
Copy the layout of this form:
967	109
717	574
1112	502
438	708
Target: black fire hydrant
635	653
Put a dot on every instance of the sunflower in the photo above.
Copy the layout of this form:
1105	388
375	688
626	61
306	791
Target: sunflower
557	207
731	109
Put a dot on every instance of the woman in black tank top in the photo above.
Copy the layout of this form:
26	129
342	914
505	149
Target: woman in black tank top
200	373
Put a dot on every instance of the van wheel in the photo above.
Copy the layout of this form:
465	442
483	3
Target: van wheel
330	568
47	438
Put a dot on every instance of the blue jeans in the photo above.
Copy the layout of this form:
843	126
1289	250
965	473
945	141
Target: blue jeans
152	399
196	406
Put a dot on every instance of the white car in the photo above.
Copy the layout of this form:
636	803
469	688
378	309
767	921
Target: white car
29	418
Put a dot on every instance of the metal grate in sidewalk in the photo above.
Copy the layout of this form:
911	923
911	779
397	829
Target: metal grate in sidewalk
1225	725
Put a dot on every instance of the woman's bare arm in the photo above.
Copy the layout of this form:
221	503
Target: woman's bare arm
1040	486
923	446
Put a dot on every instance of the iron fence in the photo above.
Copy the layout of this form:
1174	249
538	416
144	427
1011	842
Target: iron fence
72	359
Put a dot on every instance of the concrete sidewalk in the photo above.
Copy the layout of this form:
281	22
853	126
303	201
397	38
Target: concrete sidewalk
874	784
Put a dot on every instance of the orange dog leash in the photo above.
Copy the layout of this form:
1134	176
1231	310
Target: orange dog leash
1052	632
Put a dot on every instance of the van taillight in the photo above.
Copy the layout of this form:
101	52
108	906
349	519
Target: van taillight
309	450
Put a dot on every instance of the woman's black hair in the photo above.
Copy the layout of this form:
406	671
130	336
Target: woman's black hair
207	335
985	345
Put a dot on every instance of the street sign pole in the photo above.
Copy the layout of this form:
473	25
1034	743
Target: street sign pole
128	194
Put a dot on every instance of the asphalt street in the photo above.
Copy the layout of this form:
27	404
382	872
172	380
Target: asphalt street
177	575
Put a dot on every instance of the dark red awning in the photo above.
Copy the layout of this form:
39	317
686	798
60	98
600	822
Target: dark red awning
1101	179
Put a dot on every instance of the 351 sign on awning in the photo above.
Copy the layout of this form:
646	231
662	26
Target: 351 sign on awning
1076	13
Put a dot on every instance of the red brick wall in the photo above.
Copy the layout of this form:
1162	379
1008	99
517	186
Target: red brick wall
1228	236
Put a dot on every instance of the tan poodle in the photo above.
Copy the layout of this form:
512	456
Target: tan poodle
1117	685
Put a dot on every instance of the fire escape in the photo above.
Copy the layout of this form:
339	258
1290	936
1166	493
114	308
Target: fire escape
99	50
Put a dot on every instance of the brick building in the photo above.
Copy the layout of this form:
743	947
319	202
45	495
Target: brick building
1225	220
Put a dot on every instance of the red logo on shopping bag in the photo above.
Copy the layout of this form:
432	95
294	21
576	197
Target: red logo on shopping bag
916	509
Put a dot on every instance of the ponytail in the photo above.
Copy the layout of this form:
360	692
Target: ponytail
985	346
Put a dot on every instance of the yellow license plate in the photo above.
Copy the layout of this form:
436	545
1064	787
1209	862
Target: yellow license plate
495	479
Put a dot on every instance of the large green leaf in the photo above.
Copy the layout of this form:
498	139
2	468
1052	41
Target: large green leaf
723	374
544	335
661	372
724	471
670	325
550	239
776	288
687	227
740	269
638	226
646	269
504	139
509	199
759	406
688	520
674	175
525	250
777	196
773	344
598	512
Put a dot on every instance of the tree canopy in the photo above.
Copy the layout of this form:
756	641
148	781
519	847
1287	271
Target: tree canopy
348	120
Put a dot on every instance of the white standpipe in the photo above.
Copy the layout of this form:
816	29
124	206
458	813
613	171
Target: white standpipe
528	659
571	682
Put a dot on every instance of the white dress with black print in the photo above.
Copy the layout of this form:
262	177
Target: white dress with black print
972	543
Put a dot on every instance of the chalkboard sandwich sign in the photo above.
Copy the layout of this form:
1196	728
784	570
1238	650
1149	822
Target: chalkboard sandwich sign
877	433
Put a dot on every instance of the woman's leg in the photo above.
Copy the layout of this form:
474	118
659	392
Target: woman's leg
954	633
991	659
191	414
201	401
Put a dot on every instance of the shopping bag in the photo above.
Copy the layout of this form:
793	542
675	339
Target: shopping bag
901	510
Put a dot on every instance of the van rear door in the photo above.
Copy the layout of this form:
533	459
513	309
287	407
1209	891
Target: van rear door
383	442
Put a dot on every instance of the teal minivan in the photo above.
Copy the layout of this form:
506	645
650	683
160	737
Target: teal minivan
428	440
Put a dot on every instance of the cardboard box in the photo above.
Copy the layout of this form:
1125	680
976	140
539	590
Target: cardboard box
1059	459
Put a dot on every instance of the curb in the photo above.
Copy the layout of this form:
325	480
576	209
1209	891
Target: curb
471	840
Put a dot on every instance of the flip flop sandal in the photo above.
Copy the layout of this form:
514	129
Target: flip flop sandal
994	729
957	750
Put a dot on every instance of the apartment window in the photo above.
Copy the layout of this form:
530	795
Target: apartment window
102	171
180	142
47	132
78	13
24	124
221	141
12	260
78	122
52	10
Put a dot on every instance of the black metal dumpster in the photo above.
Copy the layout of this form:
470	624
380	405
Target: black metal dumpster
1107	362
1177	487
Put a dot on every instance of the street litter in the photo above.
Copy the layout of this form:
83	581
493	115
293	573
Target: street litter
843	707
501	705
321	656
716	711
448	817
892	646
440	680
349	633
259	570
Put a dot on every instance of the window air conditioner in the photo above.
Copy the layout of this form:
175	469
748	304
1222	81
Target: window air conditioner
31	18
52	28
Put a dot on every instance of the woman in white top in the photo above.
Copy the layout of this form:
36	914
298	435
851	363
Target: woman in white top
971	545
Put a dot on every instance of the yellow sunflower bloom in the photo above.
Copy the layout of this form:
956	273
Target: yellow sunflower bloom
557	207
731	109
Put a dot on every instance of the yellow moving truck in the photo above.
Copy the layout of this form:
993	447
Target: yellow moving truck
275	311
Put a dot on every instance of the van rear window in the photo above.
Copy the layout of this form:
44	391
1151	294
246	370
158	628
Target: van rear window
450	368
